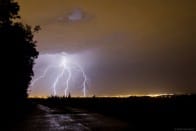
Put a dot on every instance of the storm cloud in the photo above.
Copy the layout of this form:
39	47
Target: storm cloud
125	47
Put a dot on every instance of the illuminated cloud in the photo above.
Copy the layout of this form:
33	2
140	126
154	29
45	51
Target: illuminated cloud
74	15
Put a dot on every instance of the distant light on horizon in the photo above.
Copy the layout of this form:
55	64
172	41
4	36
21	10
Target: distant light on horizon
116	96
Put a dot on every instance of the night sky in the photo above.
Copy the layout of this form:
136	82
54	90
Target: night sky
126	47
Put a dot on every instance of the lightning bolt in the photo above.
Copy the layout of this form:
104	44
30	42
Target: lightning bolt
66	67
67	81
84	83
57	80
41	76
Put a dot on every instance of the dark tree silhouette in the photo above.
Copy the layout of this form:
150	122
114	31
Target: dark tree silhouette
19	52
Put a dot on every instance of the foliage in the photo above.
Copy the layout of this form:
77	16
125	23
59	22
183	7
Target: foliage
19	50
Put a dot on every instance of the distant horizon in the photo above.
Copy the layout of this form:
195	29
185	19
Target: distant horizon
118	96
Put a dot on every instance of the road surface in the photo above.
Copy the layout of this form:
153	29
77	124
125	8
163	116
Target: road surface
48	119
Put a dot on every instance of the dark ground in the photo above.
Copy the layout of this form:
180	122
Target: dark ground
175	113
